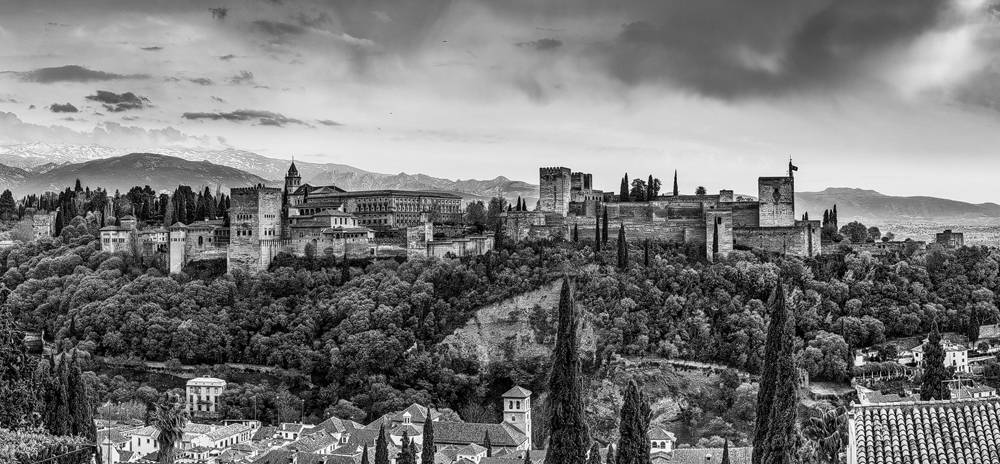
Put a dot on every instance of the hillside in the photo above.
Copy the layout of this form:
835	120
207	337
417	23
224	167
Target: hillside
869	206
41	157
11	177
122	173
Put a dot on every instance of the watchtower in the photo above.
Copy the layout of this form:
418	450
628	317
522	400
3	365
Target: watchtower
517	410
255	227
554	189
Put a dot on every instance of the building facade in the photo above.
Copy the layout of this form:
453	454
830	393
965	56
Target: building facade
718	222
202	394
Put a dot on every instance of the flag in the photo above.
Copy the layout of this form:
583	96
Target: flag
794	167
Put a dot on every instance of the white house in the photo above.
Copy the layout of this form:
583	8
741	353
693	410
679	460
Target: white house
223	437
203	395
660	440
955	355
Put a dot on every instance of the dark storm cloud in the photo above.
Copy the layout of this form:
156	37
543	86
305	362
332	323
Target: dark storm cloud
542	44
117	103
265	118
202	81
227	57
66	108
327	122
152	49
738	49
72	73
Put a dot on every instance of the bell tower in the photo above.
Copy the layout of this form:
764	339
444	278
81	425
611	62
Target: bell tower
292	179
517	410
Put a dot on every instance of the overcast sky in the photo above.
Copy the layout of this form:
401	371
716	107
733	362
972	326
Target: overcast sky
900	96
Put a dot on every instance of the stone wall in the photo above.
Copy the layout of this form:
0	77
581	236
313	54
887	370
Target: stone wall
777	201
718	221
554	189
746	214
459	247
255	228
802	239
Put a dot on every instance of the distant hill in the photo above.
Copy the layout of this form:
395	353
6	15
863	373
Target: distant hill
42	157
122	173
869	206
470	189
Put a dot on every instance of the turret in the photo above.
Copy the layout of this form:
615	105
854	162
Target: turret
292	179
517	410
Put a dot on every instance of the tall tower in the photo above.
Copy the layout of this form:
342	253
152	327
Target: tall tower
177	246
517	410
554	188
292	179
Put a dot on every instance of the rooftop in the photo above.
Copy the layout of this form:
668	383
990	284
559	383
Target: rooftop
517	392
951	431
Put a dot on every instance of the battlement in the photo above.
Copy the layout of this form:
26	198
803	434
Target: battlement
259	188
554	171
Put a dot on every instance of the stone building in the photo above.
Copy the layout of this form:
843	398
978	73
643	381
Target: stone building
949	239
203	394
716	221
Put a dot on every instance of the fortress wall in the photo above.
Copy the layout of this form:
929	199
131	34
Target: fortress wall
777	201
796	240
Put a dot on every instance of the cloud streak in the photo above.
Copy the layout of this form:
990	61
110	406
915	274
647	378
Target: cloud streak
264	118
71	73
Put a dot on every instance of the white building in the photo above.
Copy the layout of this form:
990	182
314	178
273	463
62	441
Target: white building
660	440
224	437
203	395
955	355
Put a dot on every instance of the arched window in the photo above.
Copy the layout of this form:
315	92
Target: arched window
201	240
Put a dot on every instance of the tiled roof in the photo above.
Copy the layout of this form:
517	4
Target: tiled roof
264	433
409	429
117	437
227	431
517	392
463	433
659	433
314	442
333	425
471	449
125	455
291	427
147	431
737	455
283	456
363	437
199	429
342	459
945	432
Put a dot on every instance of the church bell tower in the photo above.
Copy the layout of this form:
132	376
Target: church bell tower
517	410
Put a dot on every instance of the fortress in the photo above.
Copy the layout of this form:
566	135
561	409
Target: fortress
567	201
306	221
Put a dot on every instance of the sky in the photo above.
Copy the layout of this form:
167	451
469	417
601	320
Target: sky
899	96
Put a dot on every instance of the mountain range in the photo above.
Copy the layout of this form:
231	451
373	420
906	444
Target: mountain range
36	167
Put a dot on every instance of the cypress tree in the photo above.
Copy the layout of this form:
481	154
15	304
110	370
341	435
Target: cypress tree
488	444
17	388
80	404
715	238
774	434
676	190
569	434
58	222
595	454
527	456
622	249
345	269
576	233
935	372
405	455
649	189
364	455
645	253
725	452
623	194
604	227
597	233
427	453
381	447
633	442
498	238
611	454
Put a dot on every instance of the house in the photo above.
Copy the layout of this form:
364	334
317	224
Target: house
737	455
143	440
945	432
955	355
203	395
223	437
292	430
660	440
471	452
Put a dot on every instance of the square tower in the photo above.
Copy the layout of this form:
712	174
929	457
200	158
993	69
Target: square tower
255	227
554	187
517	410
777	201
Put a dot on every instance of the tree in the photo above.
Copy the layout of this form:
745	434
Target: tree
475	214
725	452
855	231
645	253
633	442
364	455
700	190
604	227
611	455
169	417
569	432
576	233
488	444
676	190
428	450
623	195
406	455
496	207
381	447
829	431
594	457
774	433
874	234
935	373
498	237
345	269
622	249
16	386
597	233
639	190
8	207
